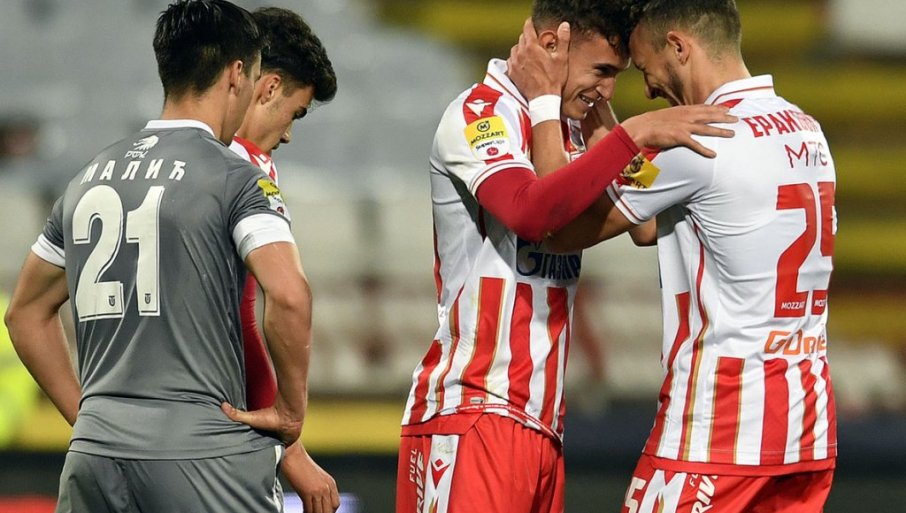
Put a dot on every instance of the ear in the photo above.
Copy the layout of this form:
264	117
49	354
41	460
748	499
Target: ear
235	70
679	45
548	40
269	87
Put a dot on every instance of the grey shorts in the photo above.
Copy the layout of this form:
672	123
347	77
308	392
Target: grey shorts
240	482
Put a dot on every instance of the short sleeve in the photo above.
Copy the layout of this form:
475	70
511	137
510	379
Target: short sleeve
654	181
50	245
257	213
480	134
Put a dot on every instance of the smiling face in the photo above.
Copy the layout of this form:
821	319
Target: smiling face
593	68
658	66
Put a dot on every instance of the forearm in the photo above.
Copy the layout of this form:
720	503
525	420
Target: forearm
287	330
43	349
534	207
547	148
260	382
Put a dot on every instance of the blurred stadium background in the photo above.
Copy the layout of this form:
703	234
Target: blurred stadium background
78	75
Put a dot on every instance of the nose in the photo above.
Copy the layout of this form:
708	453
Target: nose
605	89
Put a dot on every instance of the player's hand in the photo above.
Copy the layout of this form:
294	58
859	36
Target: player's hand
675	126
276	419
538	70
599	121
316	488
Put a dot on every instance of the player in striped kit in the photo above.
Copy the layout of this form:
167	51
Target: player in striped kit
295	72
746	417
484	419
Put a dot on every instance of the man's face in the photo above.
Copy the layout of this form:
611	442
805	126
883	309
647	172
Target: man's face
658	66
284	110
593	69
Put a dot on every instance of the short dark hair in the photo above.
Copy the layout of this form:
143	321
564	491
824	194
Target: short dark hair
607	18
716	22
196	39
293	51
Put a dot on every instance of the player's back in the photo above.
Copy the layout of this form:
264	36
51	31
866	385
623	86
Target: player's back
155	280
745	260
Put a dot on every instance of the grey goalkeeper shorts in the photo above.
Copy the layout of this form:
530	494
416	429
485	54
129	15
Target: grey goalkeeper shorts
240	482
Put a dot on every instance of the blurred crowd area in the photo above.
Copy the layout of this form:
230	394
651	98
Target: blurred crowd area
80	75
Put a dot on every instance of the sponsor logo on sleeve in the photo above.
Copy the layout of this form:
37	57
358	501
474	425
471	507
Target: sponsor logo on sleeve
488	138
639	174
270	191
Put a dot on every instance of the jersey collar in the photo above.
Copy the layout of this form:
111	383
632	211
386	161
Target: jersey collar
761	86
497	79
170	124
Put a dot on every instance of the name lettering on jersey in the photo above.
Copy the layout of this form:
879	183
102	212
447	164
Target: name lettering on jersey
783	122
639	174
273	195
131	171
488	138
141	147
810	154
794	344
532	260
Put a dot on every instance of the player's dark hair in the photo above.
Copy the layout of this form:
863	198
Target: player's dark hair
294	52
715	22
607	18
196	39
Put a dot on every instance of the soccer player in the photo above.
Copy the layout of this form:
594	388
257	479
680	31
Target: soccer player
484	419
151	241
295	72
746	417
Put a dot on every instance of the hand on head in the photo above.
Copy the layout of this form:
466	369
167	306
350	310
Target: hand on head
539	67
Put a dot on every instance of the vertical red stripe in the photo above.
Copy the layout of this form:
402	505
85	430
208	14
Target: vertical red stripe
521	365
454	335
810	413
727	402
776	412
682	334
831	411
689	405
562	410
429	363
490	306
525	124
556	323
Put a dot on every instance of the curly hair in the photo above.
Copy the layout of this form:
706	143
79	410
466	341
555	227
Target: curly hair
607	18
294	52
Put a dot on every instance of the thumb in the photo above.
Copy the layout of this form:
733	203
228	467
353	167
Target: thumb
255	419
563	35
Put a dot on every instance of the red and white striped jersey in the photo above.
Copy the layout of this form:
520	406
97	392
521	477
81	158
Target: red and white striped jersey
744	244
252	153
504	304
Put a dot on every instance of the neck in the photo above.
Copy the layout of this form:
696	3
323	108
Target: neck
717	73
205	108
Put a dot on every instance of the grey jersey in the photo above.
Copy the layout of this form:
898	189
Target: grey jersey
147	234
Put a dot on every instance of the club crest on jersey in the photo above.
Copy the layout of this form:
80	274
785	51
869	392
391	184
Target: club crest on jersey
488	138
640	173
141	147
273	195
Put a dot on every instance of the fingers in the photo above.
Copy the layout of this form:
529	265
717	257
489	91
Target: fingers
334	496
697	147
528	32
712	131
563	36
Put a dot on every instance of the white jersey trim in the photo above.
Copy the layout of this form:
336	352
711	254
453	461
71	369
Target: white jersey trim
49	252
259	230
167	124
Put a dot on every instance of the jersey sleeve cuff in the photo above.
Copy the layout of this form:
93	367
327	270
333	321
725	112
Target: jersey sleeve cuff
49	252
495	167
259	230
616	196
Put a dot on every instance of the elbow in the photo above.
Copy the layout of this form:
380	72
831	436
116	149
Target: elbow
644	241
528	228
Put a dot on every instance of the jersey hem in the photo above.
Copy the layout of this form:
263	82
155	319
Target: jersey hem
727	469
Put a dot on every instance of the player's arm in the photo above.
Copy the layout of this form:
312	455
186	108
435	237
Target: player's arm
316	488
287	330
260	382
33	321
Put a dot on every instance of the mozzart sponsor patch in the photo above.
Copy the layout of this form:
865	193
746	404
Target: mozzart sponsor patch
640	173
272	193
488	138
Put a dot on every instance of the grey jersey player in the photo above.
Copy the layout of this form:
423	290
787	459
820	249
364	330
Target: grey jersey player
150	242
